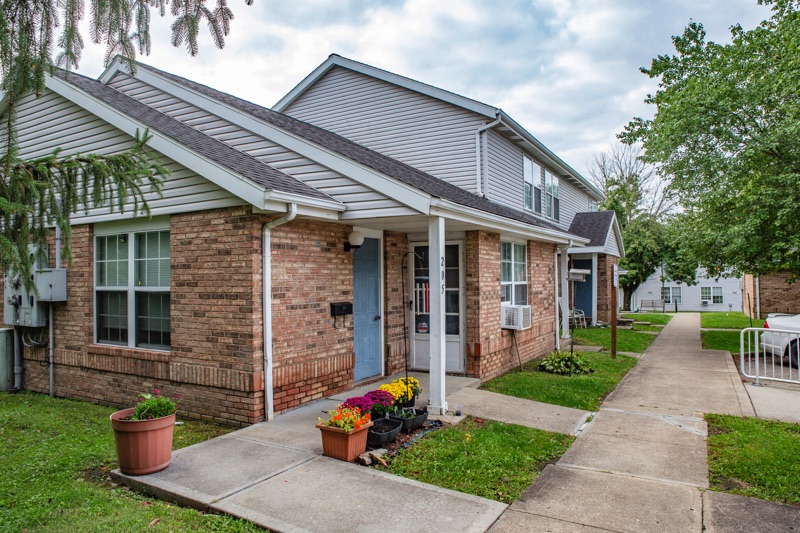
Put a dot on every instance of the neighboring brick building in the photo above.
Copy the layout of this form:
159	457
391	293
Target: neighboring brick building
776	292
225	295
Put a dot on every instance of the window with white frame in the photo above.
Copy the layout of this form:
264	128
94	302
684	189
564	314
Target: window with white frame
671	295
513	273
711	294
532	179
132	289
551	201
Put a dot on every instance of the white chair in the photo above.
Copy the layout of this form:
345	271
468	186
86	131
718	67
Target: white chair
578	318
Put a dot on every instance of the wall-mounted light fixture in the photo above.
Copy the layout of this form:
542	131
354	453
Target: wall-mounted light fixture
354	241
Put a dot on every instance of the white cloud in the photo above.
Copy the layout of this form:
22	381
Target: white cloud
567	70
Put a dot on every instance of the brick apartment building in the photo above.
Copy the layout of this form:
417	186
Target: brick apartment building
430	220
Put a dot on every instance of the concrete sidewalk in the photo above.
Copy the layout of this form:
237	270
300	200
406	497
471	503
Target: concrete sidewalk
274	475
639	465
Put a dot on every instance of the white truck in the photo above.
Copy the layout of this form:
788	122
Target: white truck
783	341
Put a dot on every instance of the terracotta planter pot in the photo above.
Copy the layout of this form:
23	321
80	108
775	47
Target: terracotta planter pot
344	445
143	446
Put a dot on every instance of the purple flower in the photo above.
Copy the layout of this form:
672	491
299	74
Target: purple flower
381	397
362	402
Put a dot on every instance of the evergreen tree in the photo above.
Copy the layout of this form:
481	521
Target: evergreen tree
37	194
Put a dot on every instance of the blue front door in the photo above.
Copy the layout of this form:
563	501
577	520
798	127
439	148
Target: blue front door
583	289
367	309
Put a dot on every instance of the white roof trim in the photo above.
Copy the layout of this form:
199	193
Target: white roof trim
405	194
335	60
453	211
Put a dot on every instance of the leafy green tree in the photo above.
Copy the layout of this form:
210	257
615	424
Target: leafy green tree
726	129
38	194
636	193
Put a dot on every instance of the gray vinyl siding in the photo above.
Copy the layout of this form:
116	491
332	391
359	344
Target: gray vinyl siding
571	200
360	200
612	246
51	122
424	132
504	183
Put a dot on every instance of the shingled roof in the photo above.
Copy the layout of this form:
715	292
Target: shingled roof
237	161
360	154
593	226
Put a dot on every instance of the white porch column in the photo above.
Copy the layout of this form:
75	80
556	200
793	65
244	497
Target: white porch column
438	403
564	271
594	289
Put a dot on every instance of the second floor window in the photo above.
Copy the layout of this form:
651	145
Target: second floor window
551	202
532	180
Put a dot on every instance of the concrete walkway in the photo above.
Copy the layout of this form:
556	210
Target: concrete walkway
640	465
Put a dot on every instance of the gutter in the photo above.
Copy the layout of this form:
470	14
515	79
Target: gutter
266	303
479	154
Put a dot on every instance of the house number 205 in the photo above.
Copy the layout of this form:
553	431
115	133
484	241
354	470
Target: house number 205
442	275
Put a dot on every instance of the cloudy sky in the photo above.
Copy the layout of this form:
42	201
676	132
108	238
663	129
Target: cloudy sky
567	70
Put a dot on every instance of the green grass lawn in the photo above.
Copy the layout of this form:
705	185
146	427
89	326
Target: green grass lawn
754	457
581	392
627	340
721	340
653	318
482	457
55	456
728	321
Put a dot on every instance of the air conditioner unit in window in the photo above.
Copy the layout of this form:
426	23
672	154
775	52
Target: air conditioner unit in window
515	316
705	302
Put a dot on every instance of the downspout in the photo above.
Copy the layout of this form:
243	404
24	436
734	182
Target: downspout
266	302
51	311
479	155
555	291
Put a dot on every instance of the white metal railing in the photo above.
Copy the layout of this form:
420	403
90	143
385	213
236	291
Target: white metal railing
769	354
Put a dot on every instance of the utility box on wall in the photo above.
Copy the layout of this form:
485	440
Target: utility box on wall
22	307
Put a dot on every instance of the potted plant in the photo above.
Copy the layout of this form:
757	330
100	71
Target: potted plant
344	433
143	434
404	390
382	403
410	417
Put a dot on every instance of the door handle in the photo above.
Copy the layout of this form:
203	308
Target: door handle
377	317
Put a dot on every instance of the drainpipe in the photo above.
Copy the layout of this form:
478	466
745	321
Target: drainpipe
51	311
555	295
266	302
479	155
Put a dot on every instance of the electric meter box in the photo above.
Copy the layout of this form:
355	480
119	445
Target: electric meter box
51	284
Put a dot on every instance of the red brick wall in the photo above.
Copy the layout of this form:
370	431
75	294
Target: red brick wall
216	357
491	351
605	284
777	295
312	354
395	246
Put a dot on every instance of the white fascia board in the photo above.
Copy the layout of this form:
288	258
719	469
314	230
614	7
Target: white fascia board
207	168
405	194
333	206
543	152
586	250
453	211
389	77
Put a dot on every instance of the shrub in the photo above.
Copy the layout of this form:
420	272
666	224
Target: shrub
362	402
153	406
565	363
